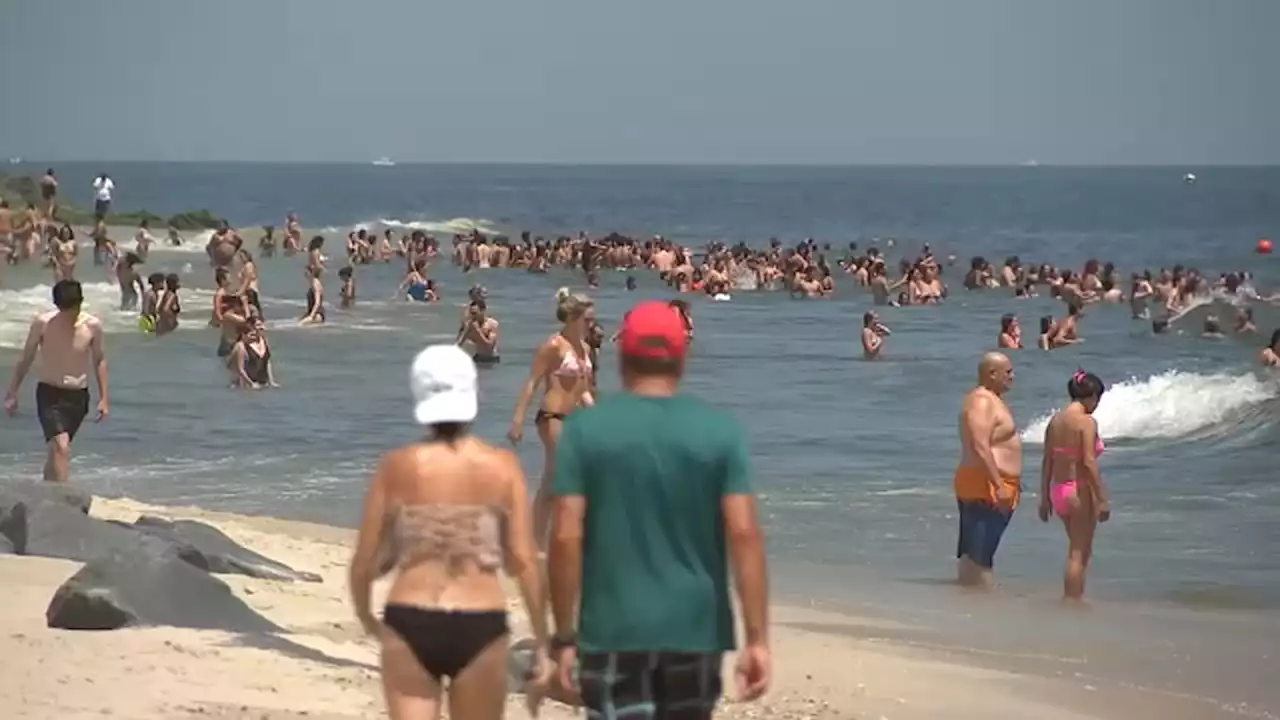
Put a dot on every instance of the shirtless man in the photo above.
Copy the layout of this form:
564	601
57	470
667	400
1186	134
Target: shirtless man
1064	331
68	341
222	247
987	480
482	332
7	248
49	193
873	334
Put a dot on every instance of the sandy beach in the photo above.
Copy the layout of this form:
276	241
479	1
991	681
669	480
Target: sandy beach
826	665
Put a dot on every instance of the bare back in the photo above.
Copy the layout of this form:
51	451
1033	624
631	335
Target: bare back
450	509
1069	439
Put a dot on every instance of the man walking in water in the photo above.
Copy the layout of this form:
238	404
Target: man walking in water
987	480
67	340
651	486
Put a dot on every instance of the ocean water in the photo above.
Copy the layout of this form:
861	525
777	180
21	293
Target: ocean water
853	459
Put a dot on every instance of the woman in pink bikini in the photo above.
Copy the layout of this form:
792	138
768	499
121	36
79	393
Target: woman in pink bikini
1070	482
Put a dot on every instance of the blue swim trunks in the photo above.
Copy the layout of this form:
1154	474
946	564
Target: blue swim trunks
981	527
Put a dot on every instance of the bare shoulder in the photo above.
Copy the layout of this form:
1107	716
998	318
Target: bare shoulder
500	457
41	320
93	322
976	399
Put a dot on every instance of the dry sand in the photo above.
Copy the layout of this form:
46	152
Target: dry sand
826	665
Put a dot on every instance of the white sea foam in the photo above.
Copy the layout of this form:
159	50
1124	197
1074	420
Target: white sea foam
19	307
1169	405
459	226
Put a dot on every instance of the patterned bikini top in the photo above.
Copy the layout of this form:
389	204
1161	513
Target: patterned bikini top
449	534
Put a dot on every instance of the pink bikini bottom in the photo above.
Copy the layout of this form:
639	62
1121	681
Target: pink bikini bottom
1063	496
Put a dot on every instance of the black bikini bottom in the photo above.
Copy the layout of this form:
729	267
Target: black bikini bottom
548	415
445	641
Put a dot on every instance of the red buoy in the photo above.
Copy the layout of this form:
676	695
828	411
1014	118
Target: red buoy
1263	247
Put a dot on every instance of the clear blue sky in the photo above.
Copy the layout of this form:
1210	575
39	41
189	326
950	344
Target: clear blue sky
695	81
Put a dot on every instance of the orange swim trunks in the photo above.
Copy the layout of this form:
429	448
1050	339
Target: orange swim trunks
971	485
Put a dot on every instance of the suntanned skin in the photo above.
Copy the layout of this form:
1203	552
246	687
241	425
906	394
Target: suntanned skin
68	342
989	441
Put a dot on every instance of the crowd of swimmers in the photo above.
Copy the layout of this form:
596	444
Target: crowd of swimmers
440	494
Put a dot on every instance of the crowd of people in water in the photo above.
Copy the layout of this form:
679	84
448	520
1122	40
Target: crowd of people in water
440	494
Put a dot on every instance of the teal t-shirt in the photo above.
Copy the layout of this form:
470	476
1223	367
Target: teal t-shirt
655	573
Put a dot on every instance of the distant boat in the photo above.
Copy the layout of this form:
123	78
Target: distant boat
384	162
1031	163
15	160
1189	178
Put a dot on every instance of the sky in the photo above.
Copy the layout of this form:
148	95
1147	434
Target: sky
663	81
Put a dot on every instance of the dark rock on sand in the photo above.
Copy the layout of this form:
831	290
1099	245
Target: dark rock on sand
220	553
147	585
17	501
58	531
52	492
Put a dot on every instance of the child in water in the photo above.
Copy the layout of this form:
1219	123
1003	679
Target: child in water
347	293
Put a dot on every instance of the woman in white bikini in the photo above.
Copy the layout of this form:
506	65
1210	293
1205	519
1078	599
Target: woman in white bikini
562	366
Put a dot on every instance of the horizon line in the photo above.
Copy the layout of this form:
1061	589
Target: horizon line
1025	165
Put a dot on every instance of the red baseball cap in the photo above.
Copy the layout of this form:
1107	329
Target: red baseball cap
653	329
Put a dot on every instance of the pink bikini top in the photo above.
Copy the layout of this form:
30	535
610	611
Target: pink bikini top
1098	448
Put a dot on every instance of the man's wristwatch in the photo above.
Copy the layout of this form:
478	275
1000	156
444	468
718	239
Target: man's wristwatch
559	641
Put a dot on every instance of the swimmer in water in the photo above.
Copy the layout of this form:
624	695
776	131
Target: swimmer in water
347	293
1010	333
1212	328
315	297
873	334
414	285
481	331
1070	483
1244	321
1270	355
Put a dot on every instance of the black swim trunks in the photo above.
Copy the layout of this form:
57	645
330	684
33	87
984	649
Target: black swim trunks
485	360
61	410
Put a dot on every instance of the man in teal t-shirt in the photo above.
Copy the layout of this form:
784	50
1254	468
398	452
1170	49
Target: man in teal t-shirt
652	502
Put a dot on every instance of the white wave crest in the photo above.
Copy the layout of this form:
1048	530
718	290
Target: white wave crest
1169	405
19	307
458	226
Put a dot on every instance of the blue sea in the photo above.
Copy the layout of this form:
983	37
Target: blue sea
853	459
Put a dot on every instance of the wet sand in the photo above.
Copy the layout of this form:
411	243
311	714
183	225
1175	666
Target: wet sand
826	664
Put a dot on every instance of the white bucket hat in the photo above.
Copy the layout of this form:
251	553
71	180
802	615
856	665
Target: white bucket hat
443	380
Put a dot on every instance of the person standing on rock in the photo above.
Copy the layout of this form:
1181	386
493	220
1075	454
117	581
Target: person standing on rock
103	186
68	342
49	193
652	505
